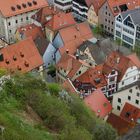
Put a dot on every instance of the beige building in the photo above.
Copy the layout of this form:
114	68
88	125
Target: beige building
130	94
112	8
16	14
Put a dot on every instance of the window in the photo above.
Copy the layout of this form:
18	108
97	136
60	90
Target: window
105	19
122	82
119	100
106	13
129	98
137	102
21	19
134	77
9	23
10	31
138	94
27	18
130	90
79	72
128	39
118	108
16	21
112	23
118	33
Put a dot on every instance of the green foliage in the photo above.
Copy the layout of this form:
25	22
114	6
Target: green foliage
76	134
98	30
104	131
70	119
54	88
2	72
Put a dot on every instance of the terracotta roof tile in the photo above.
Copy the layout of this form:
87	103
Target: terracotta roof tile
130	113
22	56
122	126
116	4
79	31
10	8
98	103
30	30
60	20
93	74
119	62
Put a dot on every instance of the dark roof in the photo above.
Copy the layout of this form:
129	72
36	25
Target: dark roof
122	126
135	15
99	51
41	44
134	134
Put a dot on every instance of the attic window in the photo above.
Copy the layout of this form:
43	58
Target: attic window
24	5
18	67
115	9
21	54
97	80
30	4
123	7
14	58
7	61
13	8
26	64
35	2
18	7
127	115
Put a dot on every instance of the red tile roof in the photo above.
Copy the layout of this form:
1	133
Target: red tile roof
60	20
134	58
98	103
131	4
80	31
130	113
97	4
93	74
122	126
68	86
67	62
22	56
47	11
119	62
10	8
30	30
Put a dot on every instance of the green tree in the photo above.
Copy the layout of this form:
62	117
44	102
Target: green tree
76	134
104	131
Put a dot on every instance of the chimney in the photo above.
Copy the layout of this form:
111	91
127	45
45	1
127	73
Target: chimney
118	60
67	51
77	56
1	57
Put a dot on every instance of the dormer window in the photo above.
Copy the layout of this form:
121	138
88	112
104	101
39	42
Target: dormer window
26	64
19	68
21	54
14	58
7	61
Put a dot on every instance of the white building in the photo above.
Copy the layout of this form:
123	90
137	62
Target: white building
127	28
80	9
65	5
14	14
131	95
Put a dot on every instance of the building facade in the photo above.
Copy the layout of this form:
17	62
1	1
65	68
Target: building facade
127	28
65	5
16	15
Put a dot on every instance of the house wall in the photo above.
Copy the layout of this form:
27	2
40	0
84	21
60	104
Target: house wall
131	75
79	72
123	96
92	16
122	29
63	4
49	34
106	19
58	42
11	24
48	56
